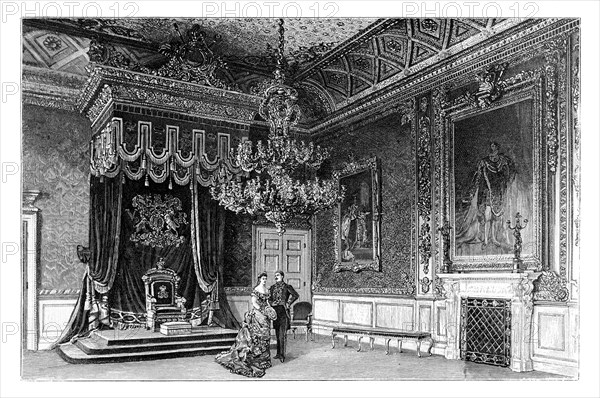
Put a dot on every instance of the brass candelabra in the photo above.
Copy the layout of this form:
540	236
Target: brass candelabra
517	261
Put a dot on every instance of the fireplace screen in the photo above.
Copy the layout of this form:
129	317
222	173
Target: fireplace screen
485	331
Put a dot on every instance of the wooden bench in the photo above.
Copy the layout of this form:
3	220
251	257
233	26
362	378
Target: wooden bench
388	335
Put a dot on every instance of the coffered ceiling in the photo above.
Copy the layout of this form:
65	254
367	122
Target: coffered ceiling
332	61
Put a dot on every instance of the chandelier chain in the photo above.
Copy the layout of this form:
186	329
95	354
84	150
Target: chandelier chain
276	190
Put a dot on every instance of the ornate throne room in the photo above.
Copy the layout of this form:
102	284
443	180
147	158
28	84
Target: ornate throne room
416	183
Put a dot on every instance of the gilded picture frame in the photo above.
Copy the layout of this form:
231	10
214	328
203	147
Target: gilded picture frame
494	170
357	223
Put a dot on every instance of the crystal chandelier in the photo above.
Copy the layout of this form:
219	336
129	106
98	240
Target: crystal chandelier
276	190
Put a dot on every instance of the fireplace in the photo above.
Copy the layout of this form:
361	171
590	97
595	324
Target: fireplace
489	318
485	330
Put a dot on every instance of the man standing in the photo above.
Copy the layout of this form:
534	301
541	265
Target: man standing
282	297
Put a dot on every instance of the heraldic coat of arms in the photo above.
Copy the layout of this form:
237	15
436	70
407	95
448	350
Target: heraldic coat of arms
156	220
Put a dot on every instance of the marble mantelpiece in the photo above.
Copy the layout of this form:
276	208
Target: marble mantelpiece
516	287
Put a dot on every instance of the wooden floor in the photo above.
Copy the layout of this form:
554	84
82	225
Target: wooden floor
313	360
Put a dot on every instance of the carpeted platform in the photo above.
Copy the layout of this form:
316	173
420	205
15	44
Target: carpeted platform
130	345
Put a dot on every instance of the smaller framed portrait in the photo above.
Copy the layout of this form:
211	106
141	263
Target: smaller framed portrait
357	229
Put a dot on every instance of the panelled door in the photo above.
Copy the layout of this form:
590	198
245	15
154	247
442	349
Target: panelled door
289	252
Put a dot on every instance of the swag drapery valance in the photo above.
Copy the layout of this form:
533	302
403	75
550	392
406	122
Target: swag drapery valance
138	216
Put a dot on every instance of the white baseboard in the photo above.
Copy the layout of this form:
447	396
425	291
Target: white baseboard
54	314
568	369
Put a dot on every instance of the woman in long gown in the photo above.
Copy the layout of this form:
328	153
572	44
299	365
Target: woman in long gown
250	355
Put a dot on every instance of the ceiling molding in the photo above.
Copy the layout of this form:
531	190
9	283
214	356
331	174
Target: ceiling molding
50	88
527	36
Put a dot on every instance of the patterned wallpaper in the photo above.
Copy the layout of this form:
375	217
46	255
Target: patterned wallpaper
392	145
238	250
55	162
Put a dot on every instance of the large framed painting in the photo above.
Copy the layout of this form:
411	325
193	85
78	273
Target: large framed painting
494	155
357	229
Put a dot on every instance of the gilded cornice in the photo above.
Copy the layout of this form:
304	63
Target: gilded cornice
51	89
107	85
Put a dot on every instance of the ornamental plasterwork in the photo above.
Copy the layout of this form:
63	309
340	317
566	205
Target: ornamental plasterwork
425	283
555	55
48	101
403	86
550	287
50	89
177	103
576	178
406	108
441	198
163	93
559	48
424	196
491	87
190	59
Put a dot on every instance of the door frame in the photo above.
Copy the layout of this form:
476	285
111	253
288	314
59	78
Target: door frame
256	229
29	261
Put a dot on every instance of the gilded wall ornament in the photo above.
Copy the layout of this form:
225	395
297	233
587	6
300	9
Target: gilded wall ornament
440	194
425	284
438	287
550	287
563	44
406	108
424	191
100	52
491	87
554	52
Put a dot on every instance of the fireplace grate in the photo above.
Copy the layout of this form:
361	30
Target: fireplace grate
485	331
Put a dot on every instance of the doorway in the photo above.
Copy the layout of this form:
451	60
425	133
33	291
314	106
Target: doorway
289	252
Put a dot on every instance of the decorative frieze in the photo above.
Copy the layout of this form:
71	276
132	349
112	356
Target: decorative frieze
159	92
50	89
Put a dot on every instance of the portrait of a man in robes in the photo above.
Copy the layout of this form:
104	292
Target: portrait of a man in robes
493	179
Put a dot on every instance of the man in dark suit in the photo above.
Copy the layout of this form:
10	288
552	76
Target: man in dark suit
282	297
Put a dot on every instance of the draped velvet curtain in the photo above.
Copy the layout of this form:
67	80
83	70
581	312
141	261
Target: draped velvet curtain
113	282
128	292
105	226
208	248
